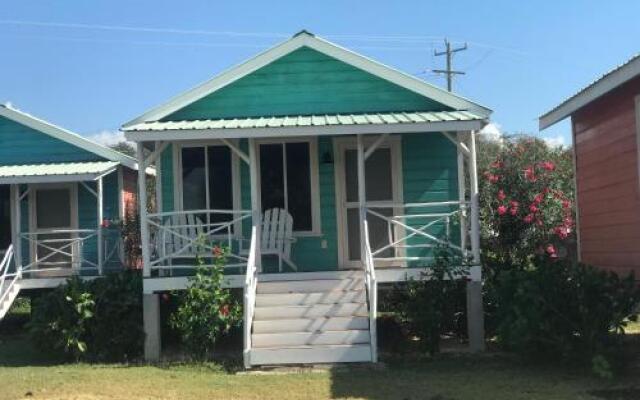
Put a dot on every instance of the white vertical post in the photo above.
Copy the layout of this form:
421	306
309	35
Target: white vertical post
100	218
462	197
256	213
475	211
15	225
361	196
142	203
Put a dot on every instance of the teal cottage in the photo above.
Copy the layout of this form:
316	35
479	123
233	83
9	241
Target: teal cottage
324	173
60	198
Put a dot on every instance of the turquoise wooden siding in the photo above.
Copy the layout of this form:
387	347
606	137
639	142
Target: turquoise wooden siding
305	82
23	145
430	174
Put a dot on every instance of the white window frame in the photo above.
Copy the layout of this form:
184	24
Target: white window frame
316	221
178	192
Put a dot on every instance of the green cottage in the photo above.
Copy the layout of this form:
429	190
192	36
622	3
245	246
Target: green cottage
324	173
60	198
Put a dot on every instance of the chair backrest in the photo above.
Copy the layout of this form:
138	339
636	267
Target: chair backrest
184	230
277	231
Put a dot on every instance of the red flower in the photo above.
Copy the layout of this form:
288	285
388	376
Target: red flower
497	164
538	199
548	165
224	310
533	208
513	211
530	175
105	223
566	204
529	218
493	178
502	210
217	251
551	250
561	231
501	195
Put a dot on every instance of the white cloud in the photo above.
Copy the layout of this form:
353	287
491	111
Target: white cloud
555	141
108	138
492	131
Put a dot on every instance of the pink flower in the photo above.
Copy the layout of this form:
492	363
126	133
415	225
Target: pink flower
551	250
533	208
105	223
538	199
502	210
561	231
548	165
566	204
494	178
530	175
501	195
529	218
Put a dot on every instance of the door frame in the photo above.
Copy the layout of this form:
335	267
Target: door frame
340	145
33	219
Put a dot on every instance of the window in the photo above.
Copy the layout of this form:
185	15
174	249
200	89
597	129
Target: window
287	181
207	181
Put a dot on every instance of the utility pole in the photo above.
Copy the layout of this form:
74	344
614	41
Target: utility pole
449	71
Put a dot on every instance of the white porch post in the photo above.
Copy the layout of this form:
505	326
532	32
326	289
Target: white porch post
462	197
361	195
15	225
142	203
100	218
256	213
475	309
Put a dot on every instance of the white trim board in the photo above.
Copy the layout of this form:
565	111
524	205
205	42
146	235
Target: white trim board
605	84
66	136
305	39
329	130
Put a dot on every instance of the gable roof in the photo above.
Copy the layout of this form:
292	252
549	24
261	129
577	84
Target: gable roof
604	84
64	135
306	39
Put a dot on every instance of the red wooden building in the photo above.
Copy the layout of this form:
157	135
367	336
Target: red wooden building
605	120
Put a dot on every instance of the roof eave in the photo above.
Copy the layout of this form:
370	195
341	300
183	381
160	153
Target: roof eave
298	131
592	92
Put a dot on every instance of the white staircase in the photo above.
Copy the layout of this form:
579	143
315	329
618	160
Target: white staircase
9	283
309	321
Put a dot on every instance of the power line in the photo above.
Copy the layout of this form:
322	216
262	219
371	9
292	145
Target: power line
449	71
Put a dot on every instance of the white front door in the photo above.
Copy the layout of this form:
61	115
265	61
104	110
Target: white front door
383	186
54	216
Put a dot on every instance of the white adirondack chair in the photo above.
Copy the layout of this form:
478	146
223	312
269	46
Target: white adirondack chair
277	236
182	232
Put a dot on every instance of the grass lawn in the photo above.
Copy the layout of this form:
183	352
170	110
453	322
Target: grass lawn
25	374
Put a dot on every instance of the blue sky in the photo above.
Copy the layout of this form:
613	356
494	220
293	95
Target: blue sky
92	65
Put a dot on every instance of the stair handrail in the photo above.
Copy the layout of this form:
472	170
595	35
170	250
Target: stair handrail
372	292
250	285
4	274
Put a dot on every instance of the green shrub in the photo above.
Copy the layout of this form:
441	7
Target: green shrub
565	311
206	311
97	320
434	304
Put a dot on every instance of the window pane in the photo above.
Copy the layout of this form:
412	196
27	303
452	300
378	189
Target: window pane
193	179
271	176
299	185
220	184
378	176
53	208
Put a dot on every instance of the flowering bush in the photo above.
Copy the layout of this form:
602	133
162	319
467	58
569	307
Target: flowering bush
206	310
527	202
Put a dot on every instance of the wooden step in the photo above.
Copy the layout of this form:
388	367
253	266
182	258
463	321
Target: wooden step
289	339
310	286
311	324
311	311
310	354
293	299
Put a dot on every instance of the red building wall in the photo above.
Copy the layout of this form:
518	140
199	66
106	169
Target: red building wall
608	184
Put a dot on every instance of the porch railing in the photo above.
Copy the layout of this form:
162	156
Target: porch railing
177	238
8	278
55	252
249	299
371	285
412	231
